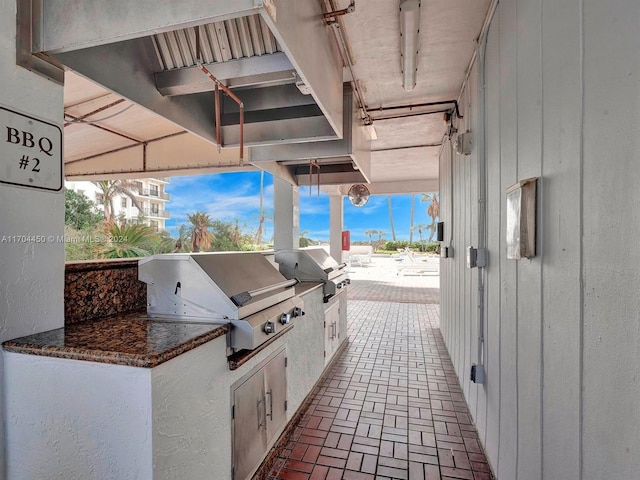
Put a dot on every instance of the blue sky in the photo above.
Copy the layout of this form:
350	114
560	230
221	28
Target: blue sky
228	196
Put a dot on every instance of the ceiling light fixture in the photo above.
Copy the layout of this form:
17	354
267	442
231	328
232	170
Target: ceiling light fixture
409	30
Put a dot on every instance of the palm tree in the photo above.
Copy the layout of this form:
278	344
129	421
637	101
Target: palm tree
420	228
370	234
126	241
393	230
433	210
236	234
259	232
303	240
381	234
413	204
199	233
109	189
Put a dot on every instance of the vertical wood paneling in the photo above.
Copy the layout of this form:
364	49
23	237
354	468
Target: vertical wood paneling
529	100
562	394
611	233
494	245
560	214
508	456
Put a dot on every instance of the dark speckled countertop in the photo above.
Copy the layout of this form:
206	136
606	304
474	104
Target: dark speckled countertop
129	339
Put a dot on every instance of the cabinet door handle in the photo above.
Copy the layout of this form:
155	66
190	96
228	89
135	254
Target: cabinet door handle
263	401
270	414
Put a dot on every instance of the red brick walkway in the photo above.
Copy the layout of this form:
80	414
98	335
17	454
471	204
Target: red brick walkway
391	407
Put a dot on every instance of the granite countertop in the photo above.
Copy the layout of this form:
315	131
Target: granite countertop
130	339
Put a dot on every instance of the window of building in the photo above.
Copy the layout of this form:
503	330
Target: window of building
99	198
124	203
155	208
153	224
153	190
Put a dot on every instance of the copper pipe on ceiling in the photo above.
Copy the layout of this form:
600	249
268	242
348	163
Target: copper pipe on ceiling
312	164
218	126
226	90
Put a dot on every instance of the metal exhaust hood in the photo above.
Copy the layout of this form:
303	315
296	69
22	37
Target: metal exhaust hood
147	53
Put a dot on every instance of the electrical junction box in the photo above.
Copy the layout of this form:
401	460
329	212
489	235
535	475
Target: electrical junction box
476	257
463	143
446	252
440	232
477	374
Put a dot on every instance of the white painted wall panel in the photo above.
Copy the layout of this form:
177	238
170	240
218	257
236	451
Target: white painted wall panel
562	395
529	273
31	275
611	229
491	435
559	192
508	112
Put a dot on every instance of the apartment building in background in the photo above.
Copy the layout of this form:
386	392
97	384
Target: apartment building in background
149	193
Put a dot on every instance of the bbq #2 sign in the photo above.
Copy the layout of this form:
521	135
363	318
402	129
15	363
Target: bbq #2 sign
30	151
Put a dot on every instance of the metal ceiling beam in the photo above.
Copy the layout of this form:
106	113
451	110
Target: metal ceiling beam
354	146
331	178
68	25
307	129
303	35
233	73
257	99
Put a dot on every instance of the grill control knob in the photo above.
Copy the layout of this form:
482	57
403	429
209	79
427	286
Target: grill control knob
269	327
285	318
297	312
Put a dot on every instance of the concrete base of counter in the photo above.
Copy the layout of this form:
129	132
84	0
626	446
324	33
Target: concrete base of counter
173	421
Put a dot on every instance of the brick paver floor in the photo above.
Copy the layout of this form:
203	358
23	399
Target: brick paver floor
391	407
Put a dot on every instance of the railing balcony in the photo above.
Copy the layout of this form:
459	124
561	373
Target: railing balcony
156	213
143	192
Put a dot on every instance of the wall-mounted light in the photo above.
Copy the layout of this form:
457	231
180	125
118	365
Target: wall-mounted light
409	30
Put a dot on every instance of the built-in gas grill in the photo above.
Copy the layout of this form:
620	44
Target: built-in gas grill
244	289
313	264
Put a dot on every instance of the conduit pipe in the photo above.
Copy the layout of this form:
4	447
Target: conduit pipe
219	85
482	201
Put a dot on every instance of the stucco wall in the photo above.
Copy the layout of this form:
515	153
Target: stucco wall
561	398
31	275
102	430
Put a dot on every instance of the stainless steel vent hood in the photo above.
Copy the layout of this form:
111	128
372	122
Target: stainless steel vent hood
147	53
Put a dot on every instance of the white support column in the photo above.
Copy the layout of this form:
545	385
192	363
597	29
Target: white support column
336	211
31	220
286	215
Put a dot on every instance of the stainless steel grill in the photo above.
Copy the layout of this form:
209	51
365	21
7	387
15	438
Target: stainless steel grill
313	264
244	289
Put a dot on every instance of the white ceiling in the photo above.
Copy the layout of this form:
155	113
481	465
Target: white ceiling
406	149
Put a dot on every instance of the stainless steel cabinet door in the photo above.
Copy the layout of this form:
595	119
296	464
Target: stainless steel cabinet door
275	387
332	329
250	425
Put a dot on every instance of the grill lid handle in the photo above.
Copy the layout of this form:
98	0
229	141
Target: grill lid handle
241	299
